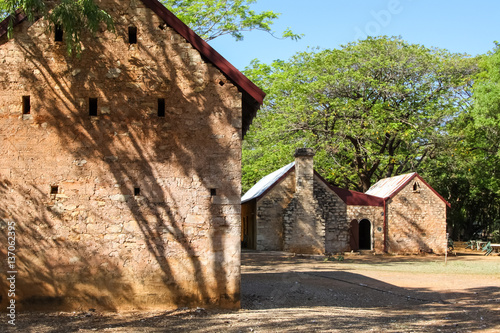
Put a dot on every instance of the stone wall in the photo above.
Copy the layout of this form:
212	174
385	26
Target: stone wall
416	221
304	231
270	212
332	212
376	218
126	209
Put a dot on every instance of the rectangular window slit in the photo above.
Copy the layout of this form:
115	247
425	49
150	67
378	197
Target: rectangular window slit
58	33
213	192
161	107
137	191
92	106
54	189
26	105
132	35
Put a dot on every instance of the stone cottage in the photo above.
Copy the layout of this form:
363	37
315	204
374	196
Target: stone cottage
120	170
415	214
294	209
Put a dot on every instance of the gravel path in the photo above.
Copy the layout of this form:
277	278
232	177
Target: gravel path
284	293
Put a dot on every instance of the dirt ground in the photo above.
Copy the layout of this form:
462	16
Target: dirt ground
362	293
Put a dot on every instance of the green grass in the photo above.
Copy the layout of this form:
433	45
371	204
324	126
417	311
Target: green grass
430	267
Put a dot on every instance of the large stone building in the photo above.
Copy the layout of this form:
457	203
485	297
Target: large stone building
121	169
294	209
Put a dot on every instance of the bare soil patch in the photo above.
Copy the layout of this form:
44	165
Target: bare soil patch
286	293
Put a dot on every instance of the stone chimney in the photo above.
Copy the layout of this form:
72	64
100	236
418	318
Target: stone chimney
303	229
304	170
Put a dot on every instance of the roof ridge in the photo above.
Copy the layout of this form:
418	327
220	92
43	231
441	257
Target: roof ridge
267	182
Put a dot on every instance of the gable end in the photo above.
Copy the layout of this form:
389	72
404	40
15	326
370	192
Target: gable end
253	96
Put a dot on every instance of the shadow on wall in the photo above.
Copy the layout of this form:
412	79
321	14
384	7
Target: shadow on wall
303	231
144	212
46	250
411	238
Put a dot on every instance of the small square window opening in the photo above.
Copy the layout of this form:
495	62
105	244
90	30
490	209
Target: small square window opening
58	33
132	35
137	191
213	192
161	107
26	105
92	106
54	189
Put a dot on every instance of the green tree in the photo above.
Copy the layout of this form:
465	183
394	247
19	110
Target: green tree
214	18
372	109
468	169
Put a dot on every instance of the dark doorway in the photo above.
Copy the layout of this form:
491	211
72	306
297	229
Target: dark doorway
248	225
365	235
354	235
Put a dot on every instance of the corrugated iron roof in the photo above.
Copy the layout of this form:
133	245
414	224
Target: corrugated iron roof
265	183
386	187
389	187
353	198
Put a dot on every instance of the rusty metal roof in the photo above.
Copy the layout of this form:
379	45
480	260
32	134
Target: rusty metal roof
386	187
266	183
389	187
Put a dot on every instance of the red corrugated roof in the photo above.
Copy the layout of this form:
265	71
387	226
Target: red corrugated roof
388	187
353	198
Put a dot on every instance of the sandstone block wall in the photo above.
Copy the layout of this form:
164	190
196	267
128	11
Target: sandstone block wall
126	209
270	212
304	230
416	221
332	212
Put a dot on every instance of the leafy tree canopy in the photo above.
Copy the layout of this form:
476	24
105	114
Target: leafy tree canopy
372	109
214	18
467	170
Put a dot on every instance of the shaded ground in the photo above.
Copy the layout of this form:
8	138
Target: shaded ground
307	294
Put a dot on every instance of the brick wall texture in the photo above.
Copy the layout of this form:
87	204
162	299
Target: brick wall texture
124	210
284	224
270	212
304	228
416	221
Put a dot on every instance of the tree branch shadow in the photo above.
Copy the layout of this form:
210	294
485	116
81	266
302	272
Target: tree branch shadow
172	244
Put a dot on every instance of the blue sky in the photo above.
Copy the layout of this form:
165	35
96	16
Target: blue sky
458	26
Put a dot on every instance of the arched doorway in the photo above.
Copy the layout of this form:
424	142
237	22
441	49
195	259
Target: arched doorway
365	235
354	235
